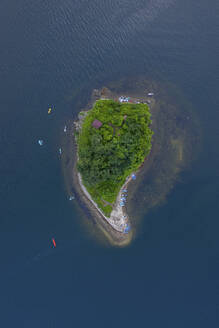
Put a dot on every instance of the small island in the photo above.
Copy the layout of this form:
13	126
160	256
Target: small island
123	153
113	139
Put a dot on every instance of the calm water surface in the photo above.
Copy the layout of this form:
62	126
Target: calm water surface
50	52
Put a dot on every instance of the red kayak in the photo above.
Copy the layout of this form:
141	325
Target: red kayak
53	241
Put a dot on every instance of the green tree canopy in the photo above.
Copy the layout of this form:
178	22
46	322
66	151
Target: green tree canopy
108	154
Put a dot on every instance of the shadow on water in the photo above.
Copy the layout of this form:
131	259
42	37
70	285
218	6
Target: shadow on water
176	143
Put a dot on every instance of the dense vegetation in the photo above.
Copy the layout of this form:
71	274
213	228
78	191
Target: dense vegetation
108	154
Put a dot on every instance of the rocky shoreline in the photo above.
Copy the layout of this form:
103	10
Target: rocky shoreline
113	235
118	218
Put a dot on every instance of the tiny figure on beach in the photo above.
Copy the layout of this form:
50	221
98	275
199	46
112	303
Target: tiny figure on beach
127	228
133	176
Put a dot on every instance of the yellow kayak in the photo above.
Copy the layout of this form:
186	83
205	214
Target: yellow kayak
49	110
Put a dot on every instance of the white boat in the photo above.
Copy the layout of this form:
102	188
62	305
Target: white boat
65	128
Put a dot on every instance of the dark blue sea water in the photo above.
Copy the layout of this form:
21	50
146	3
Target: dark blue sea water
50	51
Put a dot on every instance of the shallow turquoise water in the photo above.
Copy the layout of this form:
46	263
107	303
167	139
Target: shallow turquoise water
50	52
